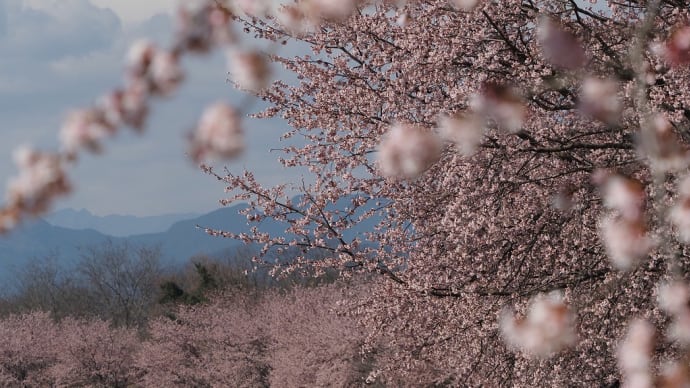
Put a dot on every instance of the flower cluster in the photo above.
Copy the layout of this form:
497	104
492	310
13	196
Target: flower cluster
560	47
219	134
464	131
408	150
42	177
673	299
679	214
472	236
676	50
599	99
547	328
658	142
634	354
624	231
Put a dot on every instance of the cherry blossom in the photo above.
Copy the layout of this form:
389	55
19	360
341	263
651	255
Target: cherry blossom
546	329
250	70
166	73
599	98
679	214
563	89
85	129
408	150
219	134
661	146
465	5
623	194
627	241
677	47
466	132
560	46
635	354
502	103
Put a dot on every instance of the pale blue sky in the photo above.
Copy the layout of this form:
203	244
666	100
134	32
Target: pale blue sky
60	54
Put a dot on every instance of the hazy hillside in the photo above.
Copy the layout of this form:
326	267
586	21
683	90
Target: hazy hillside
115	225
38	239
182	240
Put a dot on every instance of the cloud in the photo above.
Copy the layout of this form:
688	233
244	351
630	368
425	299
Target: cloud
138	11
56	30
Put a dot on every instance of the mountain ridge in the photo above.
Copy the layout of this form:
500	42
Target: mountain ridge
182	240
115	225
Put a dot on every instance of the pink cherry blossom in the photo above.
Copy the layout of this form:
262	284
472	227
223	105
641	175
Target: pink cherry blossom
166	73
408	150
635	354
219	134
84	129
677	48
627	242
465	132
250	69
547	328
599	99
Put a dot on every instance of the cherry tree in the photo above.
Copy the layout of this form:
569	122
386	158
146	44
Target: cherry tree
313	342
92	353
222	343
240	338
523	158
28	349
278	338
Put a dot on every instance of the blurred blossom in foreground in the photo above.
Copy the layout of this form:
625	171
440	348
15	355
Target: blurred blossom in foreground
622	194
634	355
661	146
127	106
679	214
599	99
673	297
674	375
219	134
139	57
41	178
560	47
627	241
336	10
502	103
464	131
677	48
84	129
465	5
563	199
408	150
624	234
249	69
547	328
166	73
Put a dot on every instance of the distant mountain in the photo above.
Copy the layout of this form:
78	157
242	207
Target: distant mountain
184	239
38	239
181	241
115	225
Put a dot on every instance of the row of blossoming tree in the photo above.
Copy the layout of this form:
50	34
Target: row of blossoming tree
239	339
526	159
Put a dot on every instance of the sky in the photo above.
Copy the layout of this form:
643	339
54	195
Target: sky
58	55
